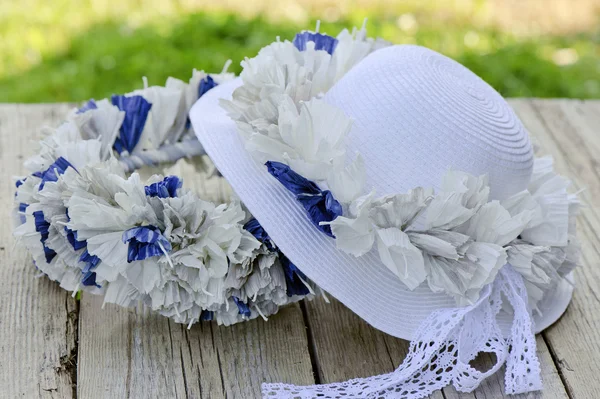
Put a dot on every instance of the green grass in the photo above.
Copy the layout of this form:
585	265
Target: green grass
110	57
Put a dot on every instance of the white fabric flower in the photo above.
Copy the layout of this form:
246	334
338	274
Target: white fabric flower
401	257
521	202
161	118
278	69
549	190
102	123
61	246
347	182
189	97
355	235
399	210
281	68
81	153
441	243
464	278
315	135
121	292
461	196
492	223
64	134
547	249
352	47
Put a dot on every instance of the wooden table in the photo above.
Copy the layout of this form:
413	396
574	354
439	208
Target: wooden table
52	346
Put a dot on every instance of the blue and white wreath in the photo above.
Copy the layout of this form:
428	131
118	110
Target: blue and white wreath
90	227
455	240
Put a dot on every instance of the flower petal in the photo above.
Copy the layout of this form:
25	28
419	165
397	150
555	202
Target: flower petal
321	41
164	189
401	209
321	208
145	242
494	224
353	236
433	245
347	183
291	180
464	278
136	110
401	257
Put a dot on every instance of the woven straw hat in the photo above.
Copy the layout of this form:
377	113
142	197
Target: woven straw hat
416	114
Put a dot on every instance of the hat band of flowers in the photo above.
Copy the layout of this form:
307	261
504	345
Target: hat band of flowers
90	227
479	251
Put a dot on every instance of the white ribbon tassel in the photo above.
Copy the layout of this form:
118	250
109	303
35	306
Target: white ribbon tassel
446	342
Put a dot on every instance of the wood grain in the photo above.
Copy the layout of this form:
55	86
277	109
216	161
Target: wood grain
53	347
569	131
136	354
38	320
345	346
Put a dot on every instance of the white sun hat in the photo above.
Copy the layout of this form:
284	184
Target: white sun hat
432	213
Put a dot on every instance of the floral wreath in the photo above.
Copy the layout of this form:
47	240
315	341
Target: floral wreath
91	228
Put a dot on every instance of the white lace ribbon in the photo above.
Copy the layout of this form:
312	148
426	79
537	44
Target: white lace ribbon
446	342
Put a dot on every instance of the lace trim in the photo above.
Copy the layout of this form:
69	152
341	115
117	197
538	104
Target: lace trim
446	342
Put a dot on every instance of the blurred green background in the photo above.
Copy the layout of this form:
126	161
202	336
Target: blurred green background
62	50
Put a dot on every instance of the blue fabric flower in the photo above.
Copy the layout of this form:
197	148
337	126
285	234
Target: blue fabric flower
294	286
242	307
89	279
207	315
91	261
51	174
254	228
291	180
91	104
43	227
72	237
293	277
136	112
22	207
145	242
320	205
165	188
205	85
322	42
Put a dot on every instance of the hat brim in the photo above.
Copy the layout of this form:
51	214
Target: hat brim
363	284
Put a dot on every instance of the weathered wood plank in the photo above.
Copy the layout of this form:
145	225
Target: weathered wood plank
568	131
256	352
130	352
133	353
38	320
345	346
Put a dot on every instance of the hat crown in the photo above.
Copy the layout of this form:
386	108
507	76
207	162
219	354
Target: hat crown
417	113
